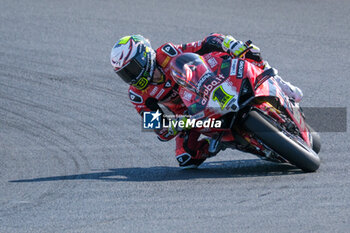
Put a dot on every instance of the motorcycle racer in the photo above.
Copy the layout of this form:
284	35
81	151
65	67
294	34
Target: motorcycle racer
151	85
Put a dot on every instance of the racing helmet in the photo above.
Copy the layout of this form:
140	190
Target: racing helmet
134	60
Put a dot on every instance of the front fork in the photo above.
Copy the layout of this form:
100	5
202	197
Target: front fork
261	149
271	111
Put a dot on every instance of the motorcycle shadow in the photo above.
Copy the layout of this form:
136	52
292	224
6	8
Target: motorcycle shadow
219	169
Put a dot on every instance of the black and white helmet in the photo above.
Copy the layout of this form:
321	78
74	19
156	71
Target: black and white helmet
134	60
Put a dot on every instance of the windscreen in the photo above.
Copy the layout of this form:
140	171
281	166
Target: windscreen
189	70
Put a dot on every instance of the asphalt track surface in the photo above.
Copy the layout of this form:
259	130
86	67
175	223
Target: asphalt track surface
72	154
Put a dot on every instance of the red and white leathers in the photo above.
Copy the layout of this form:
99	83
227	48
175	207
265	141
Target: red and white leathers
166	93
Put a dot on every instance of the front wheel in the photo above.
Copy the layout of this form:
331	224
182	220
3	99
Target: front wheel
316	140
295	152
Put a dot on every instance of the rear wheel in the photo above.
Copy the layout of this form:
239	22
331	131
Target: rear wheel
293	150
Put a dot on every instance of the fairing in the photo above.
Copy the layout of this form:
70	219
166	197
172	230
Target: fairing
212	86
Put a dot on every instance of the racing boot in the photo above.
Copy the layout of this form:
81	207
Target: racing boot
193	156
186	161
291	91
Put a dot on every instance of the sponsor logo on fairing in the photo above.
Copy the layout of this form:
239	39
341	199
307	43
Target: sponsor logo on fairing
187	96
233	67
240	69
207	88
212	62
203	79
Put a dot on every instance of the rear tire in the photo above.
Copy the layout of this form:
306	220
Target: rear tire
304	158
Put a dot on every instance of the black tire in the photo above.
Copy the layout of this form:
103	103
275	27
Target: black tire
316	140
304	158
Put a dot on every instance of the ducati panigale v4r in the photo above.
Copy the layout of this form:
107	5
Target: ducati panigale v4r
257	117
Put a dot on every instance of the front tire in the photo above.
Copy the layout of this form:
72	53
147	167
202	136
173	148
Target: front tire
297	154
316	140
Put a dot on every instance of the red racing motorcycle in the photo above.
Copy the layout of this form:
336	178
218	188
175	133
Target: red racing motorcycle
256	116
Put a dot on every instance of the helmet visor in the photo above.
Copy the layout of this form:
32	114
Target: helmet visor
131	72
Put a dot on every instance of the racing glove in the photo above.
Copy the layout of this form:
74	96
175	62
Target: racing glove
266	65
235	47
175	127
178	125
